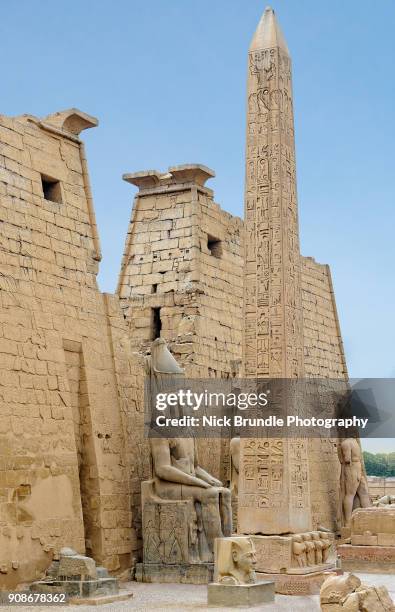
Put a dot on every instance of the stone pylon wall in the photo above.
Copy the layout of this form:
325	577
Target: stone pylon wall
199	297
65	371
182	265
183	256
323	358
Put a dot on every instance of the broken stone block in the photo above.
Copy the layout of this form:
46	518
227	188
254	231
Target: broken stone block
76	575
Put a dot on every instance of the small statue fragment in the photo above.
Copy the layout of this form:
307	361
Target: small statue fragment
354	491
349	594
235	561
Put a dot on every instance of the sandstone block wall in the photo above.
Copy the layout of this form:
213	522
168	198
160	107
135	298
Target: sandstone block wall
183	257
65	376
323	346
323	358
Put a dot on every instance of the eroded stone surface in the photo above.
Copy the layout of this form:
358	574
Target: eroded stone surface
65	360
347	593
301	553
77	576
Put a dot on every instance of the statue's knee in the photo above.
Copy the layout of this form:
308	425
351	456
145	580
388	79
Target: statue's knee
212	494
226	494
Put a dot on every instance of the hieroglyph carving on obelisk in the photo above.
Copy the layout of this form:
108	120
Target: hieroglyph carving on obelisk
273	487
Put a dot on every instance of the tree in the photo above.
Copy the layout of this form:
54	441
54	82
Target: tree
379	464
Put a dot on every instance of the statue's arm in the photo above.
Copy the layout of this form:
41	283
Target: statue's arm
165	471
213	482
199	471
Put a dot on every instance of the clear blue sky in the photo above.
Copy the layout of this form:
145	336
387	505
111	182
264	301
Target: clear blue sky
167	81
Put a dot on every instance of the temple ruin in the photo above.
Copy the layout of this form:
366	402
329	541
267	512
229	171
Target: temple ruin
228	297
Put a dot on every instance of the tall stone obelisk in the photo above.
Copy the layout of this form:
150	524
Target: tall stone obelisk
274	482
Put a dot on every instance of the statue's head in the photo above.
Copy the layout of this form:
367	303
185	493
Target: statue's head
243	554
235	558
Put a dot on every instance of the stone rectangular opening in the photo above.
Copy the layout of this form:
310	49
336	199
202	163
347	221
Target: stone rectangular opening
156	323
23	491
52	190
214	245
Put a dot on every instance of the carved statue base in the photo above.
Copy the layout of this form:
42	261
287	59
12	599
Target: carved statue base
304	553
175	548
246	595
297	563
371	546
296	584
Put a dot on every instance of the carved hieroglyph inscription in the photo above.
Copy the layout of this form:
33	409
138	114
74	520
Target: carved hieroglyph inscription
274	487
272	303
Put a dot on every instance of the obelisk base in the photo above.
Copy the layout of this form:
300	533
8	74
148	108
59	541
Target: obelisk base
300	553
297	584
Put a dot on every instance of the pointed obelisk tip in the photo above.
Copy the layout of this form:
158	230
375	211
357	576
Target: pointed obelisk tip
268	34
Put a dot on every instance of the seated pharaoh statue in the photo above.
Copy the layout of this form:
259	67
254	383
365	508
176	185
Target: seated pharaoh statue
178	477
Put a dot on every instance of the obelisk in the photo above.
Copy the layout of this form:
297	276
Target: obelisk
274	478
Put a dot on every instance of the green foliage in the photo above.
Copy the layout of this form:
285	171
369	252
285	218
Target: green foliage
379	464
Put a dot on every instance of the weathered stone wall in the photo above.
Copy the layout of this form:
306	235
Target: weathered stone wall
183	256
65	378
323	358
323	346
